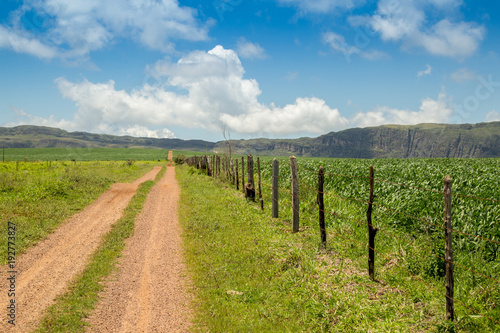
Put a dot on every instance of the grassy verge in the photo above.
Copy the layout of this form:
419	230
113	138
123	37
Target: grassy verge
70	310
38	197
251	274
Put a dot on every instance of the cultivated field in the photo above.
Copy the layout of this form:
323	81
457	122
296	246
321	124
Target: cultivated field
409	244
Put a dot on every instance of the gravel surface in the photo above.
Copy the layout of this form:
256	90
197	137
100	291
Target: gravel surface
45	270
148	294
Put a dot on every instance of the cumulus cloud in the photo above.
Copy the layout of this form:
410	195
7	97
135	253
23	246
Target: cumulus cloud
426	71
76	27
201	90
407	21
430	111
250	50
310	115
492	116
463	74
207	90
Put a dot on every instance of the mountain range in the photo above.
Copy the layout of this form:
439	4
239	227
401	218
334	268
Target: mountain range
387	141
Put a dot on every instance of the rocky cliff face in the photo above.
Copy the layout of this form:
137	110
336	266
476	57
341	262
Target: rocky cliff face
424	140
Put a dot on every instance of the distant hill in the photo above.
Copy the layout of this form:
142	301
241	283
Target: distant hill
388	141
47	137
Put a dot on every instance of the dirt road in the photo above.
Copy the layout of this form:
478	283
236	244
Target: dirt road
44	271
148	294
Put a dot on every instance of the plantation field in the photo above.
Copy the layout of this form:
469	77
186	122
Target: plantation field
89	154
408	210
39	196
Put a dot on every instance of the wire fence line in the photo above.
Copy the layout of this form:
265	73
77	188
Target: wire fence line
224	171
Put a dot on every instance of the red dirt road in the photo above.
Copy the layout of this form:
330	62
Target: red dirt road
45	270
148	293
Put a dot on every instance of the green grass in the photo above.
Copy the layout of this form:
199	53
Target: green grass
89	154
67	314
251	274
39	196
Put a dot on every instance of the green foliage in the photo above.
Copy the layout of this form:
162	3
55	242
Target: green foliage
179	159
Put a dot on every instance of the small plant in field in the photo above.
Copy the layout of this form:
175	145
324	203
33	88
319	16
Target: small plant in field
130	162
179	159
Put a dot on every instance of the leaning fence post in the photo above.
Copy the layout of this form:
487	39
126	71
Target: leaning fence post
372	232
295	194
260	185
321	204
275	187
450	311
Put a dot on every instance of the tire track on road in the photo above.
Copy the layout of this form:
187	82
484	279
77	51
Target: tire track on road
149	292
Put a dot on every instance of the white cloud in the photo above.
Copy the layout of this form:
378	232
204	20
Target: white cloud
216	96
406	21
320	6
492	116
426	71
463	74
250	50
144	132
430	111
14	40
29	119
338	44
310	115
207	90
77	27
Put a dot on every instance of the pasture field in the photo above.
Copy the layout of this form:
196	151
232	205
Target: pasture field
89	154
39	196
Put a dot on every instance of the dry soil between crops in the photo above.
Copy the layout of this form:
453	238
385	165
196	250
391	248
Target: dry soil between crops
148	292
45	270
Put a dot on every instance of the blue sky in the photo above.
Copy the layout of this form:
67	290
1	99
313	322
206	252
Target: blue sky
266	68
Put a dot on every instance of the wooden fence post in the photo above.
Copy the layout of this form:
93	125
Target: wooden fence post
237	176
243	173
214	173
260	185
275	187
250	186
371	230
295	194
233	176
218	166
450	311
321	206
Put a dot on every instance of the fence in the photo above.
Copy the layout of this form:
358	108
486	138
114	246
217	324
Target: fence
225	171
